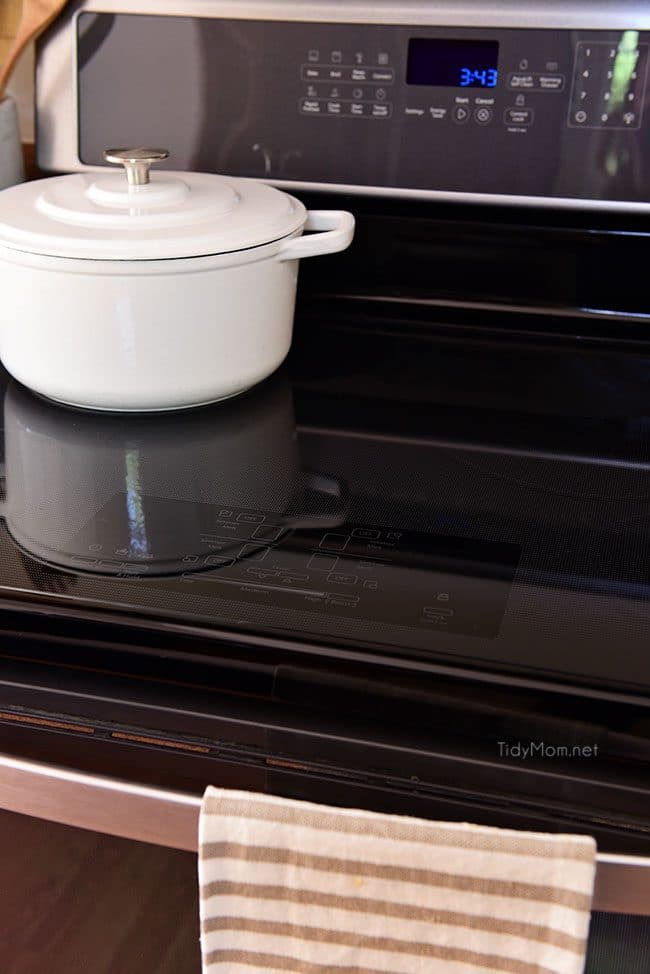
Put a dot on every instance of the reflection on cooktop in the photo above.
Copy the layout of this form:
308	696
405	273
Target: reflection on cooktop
377	528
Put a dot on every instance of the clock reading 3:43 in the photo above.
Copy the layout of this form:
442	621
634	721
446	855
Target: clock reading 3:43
478	77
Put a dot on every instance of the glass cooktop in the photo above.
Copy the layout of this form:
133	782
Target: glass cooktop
477	505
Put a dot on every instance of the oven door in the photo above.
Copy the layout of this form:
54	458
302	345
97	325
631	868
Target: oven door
619	937
129	753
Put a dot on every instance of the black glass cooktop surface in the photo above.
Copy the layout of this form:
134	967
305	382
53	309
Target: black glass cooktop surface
479	505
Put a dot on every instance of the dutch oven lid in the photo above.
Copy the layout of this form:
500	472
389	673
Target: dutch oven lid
135	216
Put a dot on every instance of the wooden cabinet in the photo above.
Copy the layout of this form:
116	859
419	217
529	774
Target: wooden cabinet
74	902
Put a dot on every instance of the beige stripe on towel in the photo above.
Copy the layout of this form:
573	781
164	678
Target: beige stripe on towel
292	886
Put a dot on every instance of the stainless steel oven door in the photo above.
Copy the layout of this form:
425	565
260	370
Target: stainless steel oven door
170	818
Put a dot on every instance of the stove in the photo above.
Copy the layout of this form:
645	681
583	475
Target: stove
409	572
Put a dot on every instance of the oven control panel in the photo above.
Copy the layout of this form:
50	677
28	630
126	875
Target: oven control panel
491	113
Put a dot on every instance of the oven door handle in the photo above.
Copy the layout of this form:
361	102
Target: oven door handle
170	818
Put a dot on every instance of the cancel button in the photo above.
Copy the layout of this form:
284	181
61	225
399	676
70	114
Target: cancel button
519	116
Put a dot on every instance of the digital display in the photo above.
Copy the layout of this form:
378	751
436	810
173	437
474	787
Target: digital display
452	64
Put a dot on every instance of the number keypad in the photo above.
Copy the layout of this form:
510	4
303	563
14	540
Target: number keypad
608	84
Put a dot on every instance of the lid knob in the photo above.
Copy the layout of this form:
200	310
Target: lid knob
137	162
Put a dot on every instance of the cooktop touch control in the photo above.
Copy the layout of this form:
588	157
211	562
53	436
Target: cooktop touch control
438	583
506	114
609	82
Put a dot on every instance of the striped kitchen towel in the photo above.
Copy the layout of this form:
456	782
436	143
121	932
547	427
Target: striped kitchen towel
290	886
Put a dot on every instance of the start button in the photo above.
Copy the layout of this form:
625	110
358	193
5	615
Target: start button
460	114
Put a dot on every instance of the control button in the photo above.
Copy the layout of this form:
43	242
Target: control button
335	542
357	93
629	119
521	81
310	106
383	58
437	113
383	76
436	615
216	561
550	82
414	111
334	107
268	532
358	74
313	55
335	74
262	573
483	115
250	518
290	578
380	94
340	578
312	74
460	114
322	563
518	116
336	57
369	534
580	117
349	602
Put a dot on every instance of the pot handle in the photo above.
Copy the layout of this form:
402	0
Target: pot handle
326	495
338	227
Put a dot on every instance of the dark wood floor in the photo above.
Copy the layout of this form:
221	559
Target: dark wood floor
73	901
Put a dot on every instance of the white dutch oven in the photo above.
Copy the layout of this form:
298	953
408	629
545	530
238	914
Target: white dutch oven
131	293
